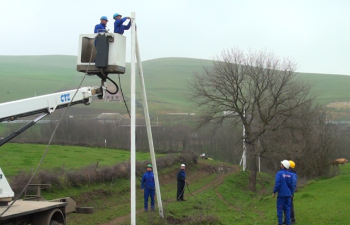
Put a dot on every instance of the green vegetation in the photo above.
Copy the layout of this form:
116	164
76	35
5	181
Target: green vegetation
166	82
321	202
24	157
218	198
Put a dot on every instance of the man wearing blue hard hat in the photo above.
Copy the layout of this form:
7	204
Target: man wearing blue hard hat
102	26
118	23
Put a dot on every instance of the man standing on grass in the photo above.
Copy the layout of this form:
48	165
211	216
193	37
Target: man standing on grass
283	185
148	187
294	185
181	181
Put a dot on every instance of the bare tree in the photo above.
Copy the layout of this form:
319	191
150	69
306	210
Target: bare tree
257	84
308	138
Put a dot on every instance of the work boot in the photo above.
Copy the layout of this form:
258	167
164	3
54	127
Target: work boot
146	210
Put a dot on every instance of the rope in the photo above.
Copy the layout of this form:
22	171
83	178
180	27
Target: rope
121	90
52	135
191	192
183	190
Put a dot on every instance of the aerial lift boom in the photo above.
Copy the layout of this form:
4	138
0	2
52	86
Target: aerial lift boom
45	104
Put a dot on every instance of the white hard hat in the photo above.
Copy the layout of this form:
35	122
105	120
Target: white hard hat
286	164
183	165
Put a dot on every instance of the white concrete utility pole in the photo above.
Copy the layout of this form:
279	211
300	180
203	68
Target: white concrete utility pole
244	156
133	122
135	53
149	131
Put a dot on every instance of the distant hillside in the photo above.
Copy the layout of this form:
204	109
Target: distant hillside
166	81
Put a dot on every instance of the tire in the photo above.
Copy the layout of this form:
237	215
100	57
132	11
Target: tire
54	222
49	217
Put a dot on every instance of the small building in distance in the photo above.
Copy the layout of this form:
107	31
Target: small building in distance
110	117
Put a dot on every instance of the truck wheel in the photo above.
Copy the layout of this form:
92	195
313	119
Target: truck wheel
54	222
50	217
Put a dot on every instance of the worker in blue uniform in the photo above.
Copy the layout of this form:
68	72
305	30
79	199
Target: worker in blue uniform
102	26
118	23
181	181
284	187
294	185
148	187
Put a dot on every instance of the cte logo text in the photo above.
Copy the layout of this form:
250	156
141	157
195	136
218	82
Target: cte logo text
65	98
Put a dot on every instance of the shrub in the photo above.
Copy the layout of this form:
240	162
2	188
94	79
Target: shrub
92	174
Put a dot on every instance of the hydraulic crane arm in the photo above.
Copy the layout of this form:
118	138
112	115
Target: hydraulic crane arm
14	110
44	104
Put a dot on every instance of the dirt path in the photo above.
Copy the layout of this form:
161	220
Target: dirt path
235	207
213	184
227	203
122	218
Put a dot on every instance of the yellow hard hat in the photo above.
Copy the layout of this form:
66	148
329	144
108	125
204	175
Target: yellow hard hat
292	164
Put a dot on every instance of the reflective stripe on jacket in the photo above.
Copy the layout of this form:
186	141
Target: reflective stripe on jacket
100	28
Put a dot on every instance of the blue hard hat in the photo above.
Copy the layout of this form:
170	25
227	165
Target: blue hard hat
115	15
104	18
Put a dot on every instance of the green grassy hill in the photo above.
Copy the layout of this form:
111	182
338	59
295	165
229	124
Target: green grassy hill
24	157
218	196
228	202
166	81
321	202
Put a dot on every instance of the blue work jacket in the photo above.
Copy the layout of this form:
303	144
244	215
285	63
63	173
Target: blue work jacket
181	176
100	28
119	27
283	183
147	181
294	179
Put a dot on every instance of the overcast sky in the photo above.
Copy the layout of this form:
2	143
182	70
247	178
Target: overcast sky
313	32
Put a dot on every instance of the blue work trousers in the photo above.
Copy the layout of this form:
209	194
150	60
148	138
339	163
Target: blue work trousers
283	205
149	193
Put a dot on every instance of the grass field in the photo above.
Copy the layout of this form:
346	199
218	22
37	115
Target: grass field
166	81
220	198
24	157
320	202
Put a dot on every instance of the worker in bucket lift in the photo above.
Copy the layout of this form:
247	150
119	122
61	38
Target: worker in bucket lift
148	187
181	181
284	187
102	26
118	23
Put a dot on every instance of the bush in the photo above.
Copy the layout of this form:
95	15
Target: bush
93	174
